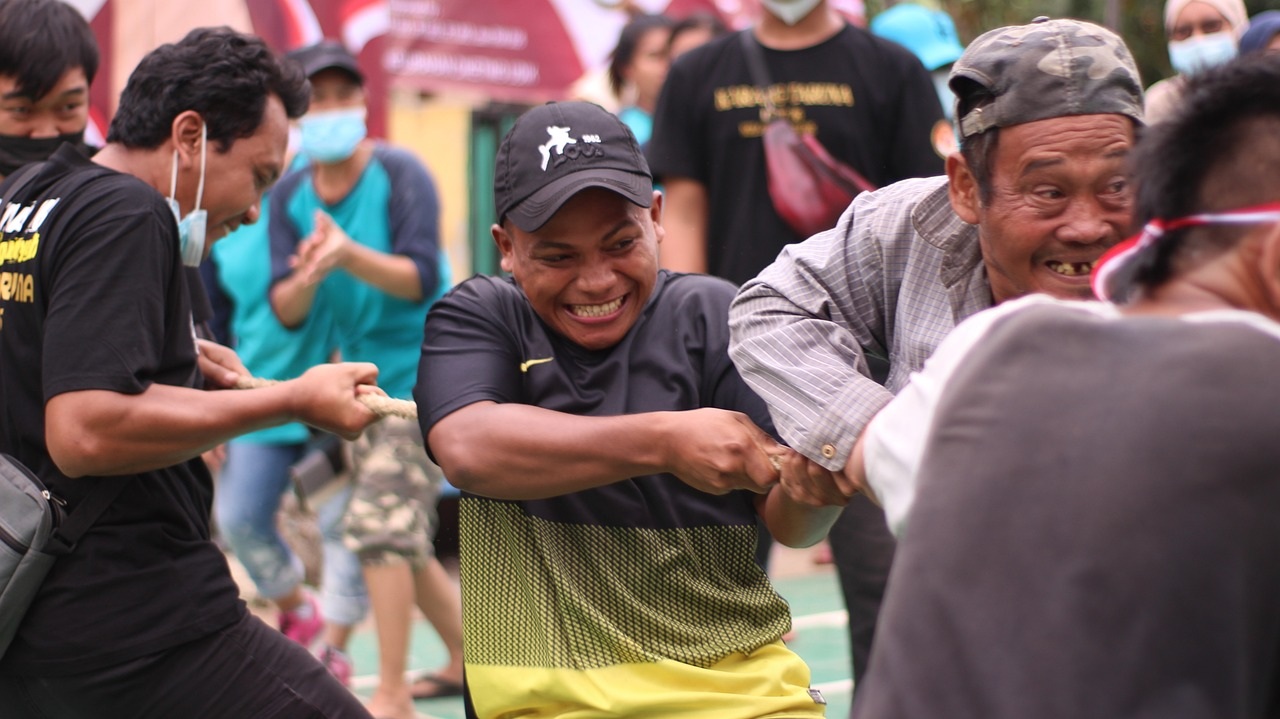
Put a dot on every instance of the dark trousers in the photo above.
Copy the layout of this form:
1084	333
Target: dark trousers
246	671
862	550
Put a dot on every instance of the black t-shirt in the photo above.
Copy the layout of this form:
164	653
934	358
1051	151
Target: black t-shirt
675	358
1094	533
93	297
868	101
631	573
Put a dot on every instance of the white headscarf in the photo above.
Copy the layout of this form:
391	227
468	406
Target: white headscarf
1233	10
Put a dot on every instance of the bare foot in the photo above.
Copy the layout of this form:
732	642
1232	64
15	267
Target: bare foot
391	704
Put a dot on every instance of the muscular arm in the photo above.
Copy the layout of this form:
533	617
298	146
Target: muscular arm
684	218
517	451
801	509
100	432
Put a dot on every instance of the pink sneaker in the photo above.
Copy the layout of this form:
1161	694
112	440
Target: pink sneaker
337	662
302	629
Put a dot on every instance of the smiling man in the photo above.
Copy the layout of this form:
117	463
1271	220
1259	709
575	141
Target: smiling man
612	460
1047	114
102	391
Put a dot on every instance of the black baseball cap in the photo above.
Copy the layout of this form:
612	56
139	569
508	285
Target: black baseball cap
558	149
324	55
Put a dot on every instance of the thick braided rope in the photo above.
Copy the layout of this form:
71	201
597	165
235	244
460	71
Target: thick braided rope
380	405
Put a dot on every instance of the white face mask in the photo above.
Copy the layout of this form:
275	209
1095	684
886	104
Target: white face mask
790	11
191	229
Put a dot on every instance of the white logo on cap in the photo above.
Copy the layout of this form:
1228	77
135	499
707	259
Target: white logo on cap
559	139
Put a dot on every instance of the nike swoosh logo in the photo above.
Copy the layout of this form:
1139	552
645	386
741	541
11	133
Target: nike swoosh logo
524	366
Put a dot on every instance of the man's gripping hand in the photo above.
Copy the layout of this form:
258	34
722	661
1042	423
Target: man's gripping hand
718	451
325	397
219	364
809	483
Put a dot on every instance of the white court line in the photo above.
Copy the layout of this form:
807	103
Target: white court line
839	686
838	618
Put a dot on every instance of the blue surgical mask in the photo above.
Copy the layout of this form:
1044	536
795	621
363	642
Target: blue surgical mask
333	135
1201	52
192	228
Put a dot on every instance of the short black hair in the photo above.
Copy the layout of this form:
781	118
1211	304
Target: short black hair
224	75
1218	151
42	40
625	51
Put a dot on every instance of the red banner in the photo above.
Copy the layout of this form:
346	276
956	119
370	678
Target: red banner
516	50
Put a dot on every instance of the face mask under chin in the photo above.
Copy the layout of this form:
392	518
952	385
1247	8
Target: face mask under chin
192	228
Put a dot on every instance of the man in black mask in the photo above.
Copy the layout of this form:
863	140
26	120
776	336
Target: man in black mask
48	57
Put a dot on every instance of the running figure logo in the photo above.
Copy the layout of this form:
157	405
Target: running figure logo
559	139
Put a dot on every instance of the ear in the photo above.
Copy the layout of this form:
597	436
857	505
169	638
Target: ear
1270	268
655	213
185	134
505	247
962	188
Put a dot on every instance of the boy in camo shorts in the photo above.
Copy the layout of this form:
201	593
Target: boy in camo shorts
368	254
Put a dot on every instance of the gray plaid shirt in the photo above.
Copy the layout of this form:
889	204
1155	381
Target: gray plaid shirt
894	276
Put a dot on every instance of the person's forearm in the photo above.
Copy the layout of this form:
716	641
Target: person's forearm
292	298
394	274
793	524
99	432
516	451
684	223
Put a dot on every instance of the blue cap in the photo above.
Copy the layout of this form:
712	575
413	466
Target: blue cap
930	34
1262	27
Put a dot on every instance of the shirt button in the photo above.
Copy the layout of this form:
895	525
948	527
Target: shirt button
828	451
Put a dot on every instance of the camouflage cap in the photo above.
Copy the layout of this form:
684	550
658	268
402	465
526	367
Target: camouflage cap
1048	68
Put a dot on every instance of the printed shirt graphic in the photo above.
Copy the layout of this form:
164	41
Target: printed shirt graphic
94	297
867	100
646	586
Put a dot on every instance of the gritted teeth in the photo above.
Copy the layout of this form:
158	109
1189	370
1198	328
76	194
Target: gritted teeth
596	310
1070	269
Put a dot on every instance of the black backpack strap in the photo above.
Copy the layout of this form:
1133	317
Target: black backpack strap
74	525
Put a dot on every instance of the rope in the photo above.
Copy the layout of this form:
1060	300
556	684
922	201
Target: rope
379	404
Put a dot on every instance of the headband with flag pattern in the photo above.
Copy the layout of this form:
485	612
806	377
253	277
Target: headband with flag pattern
1126	251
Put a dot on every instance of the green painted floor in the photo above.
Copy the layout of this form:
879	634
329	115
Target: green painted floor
820	638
